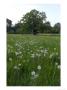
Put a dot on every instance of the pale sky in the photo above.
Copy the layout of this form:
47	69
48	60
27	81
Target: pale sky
17	9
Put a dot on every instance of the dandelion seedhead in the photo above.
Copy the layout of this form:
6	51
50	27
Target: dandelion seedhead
39	67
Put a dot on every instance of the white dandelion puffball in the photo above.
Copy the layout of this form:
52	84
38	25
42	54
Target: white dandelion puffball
19	64
56	53
39	67
51	55
32	55
54	48
46	50
15	67
44	54
33	73
34	76
37	54
42	51
58	66
56	63
10	59
16	53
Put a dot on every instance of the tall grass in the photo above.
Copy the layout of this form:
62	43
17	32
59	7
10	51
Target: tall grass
33	60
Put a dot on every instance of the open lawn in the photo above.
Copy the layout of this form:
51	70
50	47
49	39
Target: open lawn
33	60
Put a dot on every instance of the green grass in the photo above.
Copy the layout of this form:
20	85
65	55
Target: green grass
33	60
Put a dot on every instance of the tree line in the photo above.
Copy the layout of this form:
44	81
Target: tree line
33	22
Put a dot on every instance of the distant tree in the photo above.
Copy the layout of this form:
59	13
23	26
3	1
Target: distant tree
32	21
9	24
17	28
47	27
10	27
56	28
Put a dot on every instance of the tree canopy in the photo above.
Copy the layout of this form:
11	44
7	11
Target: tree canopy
33	22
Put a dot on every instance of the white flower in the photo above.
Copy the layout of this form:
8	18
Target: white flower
20	52
10	59
16	67
45	51
32	55
54	48
33	73
56	63
39	67
9	50
16	44
37	54
58	66
31	51
42	51
51	55
56	53
19	64
35	76
44	54
16	53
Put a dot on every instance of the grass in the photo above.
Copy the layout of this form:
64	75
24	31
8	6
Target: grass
33	60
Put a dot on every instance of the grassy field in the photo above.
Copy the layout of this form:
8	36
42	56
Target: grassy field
33	60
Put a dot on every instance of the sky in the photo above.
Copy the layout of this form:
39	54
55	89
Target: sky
16	10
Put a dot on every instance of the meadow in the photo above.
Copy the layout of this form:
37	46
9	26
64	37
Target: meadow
33	60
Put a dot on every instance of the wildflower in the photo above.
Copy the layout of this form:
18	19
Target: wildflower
9	50
39	67
35	76
54	48
31	51
19	64
56	63
33	73
10	59
56	53
32	55
42	51
51	55
20	52
58	66
44	54
16	44
16	67
16	53
37	54
45	51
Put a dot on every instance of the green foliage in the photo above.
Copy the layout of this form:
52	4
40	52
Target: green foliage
56	28
32	21
17	28
8	26
47	27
